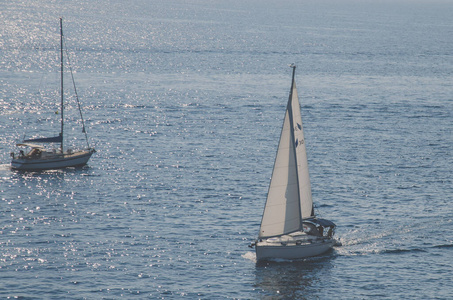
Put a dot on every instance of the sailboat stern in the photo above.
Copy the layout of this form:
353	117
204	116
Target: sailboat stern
319	227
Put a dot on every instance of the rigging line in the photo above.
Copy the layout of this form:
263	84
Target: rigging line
77	96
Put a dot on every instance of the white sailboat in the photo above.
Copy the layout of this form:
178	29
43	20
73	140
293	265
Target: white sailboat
289	228
39	158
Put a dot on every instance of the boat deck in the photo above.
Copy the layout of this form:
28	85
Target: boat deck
296	238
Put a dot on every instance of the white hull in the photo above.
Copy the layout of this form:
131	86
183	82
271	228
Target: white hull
57	161
266	250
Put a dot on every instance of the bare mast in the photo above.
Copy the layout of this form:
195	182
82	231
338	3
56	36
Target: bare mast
61	81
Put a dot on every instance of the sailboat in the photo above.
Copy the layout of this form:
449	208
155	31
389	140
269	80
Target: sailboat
39	158
289	228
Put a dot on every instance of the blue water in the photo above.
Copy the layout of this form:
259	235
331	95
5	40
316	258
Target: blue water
184	101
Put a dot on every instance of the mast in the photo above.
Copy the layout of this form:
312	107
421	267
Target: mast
61	81
291	122
292	82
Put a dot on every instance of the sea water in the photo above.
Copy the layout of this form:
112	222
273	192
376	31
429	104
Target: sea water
184	101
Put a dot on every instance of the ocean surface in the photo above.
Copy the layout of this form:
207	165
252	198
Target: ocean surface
184	102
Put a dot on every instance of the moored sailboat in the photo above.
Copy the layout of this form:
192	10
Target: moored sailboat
289	228
38	157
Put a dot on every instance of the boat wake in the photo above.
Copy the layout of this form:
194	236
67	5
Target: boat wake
250	256
425	249
5	167
388	242
400	251
443	246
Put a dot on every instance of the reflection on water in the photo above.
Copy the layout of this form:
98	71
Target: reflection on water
298	279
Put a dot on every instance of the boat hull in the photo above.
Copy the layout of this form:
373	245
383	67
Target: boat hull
76	159
293	251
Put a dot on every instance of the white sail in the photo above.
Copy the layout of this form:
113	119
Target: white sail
281	213
306	202
289	196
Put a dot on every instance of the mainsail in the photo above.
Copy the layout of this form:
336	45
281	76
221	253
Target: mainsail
55	139
289	198
306	202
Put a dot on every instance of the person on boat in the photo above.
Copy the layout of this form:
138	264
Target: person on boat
330	232
311	229
35	153
321	230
